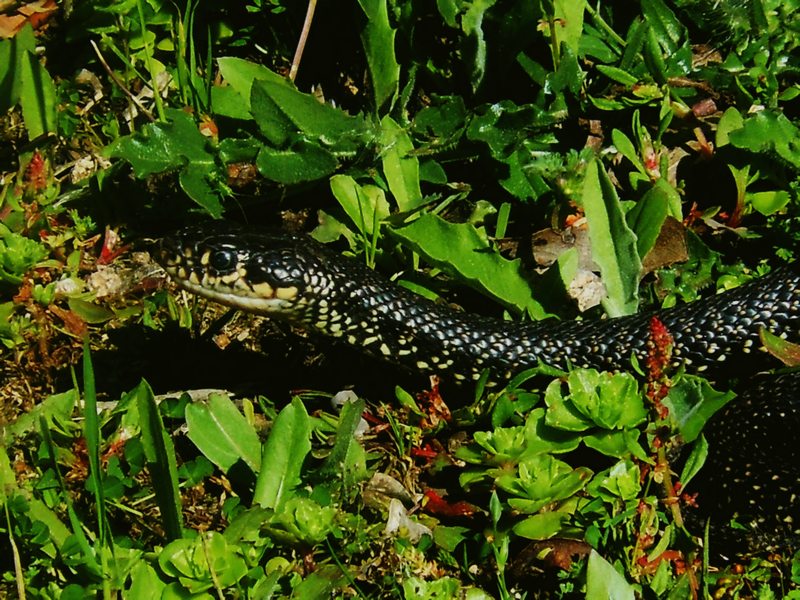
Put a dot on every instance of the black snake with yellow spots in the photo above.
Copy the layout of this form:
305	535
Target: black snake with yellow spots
291	277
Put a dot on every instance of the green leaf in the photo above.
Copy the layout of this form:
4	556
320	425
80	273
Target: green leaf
769	132
176	144
692	402
620	76
89	311
613	243
283	455
569	14
541	526
399	165
346	445
647	217
377	37
240	74
288	109
160	454
475	43
695	460
770	202
366	205
731	120
604	581
37	97
222	433
665	26
460	248
304	162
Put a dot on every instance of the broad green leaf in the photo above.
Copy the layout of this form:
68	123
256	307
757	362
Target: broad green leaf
613	243
366	205
540	527
56	530
377	37
731	120
647	217
770	202
604	581
283	456
769	132
222	433
400	167
227	102
271	120
461	249
692	401
37	97
653	57
304	162
240	74
145	583
56	407
160	454
176	144
89	311
625	146
569	15
316	120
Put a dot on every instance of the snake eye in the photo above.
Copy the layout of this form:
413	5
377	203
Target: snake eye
222	260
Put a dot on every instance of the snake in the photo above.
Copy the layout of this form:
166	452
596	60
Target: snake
291	277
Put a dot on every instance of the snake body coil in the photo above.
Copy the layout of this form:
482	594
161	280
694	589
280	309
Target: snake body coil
294	278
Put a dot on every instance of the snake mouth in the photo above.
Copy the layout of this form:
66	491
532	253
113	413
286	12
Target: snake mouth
192	269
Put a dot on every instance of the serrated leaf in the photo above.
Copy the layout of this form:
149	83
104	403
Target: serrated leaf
459	248
283	455
315	120
222	433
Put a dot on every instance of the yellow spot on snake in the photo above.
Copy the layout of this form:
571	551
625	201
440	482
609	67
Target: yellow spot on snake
263	289
205	258
286	293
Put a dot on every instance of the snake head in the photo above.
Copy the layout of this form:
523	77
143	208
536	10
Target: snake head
265	272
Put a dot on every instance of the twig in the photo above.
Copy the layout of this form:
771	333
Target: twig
301	43
121	85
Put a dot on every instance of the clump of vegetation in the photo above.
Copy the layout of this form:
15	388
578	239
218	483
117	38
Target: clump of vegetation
432	141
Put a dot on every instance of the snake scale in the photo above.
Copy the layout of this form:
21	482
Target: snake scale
292	277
